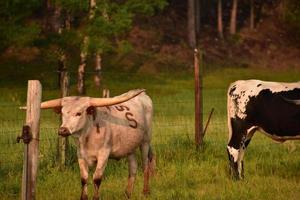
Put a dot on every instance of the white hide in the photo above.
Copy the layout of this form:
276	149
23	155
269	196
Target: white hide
234	153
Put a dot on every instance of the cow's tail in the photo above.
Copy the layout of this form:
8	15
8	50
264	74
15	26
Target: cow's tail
152	162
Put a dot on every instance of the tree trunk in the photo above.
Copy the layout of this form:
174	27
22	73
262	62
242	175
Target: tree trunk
252	15
82	66
83	54
92	9
64	80
220	19
232	30
68	19
98	58
259	8
52	19
282	8
191	24
97	76
57	19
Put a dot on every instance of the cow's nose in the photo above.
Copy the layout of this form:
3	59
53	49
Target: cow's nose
63	131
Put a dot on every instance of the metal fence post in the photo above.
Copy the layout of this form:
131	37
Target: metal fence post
198	101
30	137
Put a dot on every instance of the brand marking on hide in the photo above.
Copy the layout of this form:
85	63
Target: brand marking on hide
128	115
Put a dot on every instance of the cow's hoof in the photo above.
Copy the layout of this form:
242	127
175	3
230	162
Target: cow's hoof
84	197
236	177
96	198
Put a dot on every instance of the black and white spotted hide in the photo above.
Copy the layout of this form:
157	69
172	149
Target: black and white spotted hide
271	107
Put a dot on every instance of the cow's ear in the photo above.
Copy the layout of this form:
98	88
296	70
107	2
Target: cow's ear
57	110
91	110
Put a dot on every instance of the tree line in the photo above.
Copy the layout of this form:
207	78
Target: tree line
97	27
230	15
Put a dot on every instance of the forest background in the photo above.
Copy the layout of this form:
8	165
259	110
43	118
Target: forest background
148	36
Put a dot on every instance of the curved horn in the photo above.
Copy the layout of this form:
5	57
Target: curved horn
115	100
296	102
51	104
47	104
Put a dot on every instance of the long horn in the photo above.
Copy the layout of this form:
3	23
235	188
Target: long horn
51	104
115	100
47	104
296	102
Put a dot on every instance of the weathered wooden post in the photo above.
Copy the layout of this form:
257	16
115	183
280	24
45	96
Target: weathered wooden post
30	137
198	101
62	142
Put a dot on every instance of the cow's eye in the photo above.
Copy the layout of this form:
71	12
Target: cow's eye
78	114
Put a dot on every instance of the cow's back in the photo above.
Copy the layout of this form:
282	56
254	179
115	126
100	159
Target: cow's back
263	104
129	124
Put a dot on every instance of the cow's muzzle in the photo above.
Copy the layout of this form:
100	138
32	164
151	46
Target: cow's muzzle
63	131
233	168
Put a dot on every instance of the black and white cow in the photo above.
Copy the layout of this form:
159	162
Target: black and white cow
270	107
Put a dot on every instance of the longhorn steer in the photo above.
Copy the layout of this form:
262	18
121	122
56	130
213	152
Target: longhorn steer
270	107
107	128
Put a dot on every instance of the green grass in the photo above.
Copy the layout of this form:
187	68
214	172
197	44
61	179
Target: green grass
272	171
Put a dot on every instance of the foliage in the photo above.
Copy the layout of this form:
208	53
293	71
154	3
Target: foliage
73	6
15	25
21	23
292	13
113	19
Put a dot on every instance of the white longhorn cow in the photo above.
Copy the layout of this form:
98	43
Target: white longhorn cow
106	128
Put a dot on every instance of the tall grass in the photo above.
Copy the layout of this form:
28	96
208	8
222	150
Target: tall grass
271	170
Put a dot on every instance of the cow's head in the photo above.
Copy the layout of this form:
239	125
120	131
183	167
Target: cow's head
76	111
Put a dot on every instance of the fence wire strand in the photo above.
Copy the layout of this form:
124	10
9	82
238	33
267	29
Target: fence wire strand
173	121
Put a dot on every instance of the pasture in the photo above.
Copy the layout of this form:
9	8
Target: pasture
272	170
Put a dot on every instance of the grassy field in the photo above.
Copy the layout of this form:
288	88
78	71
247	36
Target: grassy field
272	170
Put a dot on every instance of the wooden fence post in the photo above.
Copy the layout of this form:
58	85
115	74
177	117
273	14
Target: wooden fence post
62	142
34	95
198	101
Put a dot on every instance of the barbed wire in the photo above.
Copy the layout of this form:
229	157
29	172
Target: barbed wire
16	107
170	123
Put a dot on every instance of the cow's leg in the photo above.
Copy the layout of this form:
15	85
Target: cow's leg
145	160
132	168
238	133
84	178
152	162
244	143
102	159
